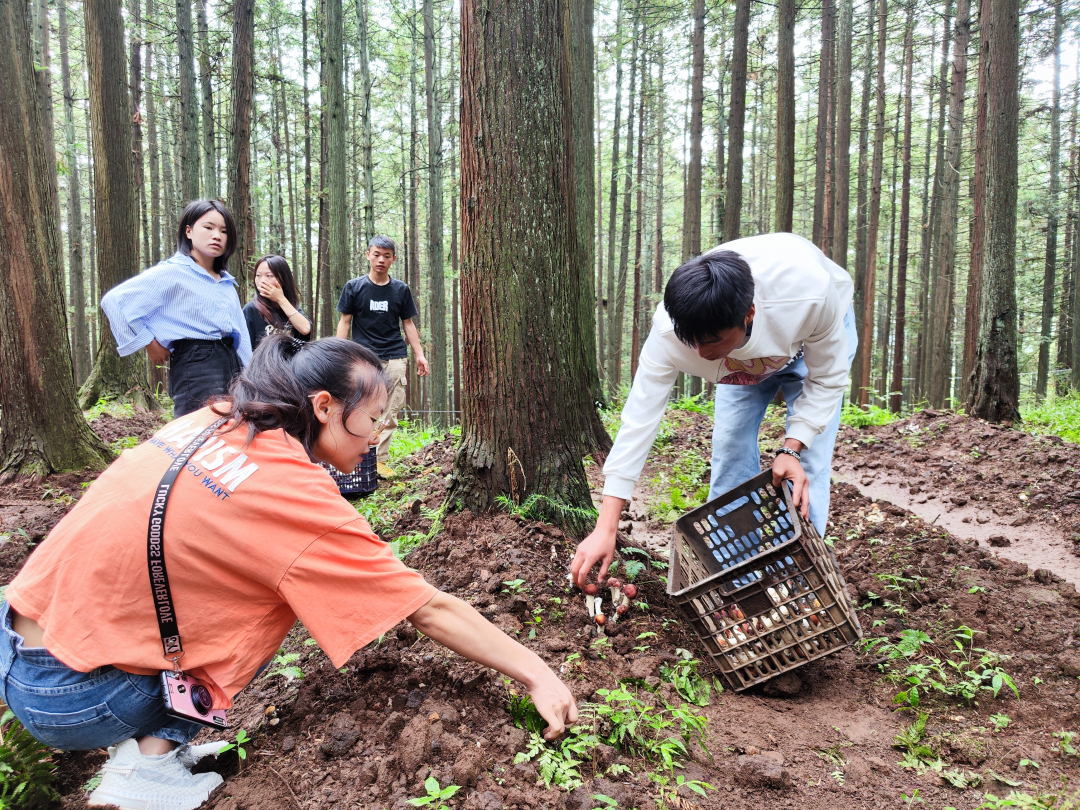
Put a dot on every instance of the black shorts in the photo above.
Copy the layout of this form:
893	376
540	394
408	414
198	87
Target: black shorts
199	370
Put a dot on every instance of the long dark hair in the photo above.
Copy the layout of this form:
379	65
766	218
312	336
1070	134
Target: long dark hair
196	211
272	392
270	312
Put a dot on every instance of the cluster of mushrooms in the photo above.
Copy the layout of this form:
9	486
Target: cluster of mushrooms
621	594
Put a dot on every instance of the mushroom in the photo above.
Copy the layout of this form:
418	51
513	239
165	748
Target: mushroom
630	590
621	609
814	620
601	619
773	595
590	593
616	590
736	613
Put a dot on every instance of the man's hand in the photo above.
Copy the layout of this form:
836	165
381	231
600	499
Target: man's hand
788	468
423	367
158	354
599	546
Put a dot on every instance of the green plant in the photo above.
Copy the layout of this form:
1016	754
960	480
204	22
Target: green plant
542	508
127	442
1065	742
683	675
26	767
669	789
695	404
920	757
1059	416
120	410
514	587
435	794
632	569
856	417
241	738
1001	721
282	664
605	802
1046	801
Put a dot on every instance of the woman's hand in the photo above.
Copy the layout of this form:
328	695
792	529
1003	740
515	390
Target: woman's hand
158	354
271	290
554	702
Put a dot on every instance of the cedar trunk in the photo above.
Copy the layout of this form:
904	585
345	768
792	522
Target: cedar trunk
785	116
42	429
189	110
736	123
437	383
243	80
842	194
528	413
692	199
336	171
896	390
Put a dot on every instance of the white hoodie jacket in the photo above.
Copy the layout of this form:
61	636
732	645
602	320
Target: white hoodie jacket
801	298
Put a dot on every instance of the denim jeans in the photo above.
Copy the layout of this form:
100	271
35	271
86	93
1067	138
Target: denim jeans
77	711
739	411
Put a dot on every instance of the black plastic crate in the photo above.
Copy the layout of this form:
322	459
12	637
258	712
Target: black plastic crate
362	481
761	589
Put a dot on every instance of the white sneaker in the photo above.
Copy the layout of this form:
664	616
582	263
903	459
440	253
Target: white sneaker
190	754
133	781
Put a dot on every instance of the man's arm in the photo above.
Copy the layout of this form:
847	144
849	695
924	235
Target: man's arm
412	337
344	324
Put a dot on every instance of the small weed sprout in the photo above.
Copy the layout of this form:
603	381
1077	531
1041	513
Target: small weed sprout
436	795
514	587
1000	720
1065	742
241	739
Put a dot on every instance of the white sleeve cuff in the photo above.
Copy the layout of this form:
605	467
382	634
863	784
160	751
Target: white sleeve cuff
802	432
619	487
142	338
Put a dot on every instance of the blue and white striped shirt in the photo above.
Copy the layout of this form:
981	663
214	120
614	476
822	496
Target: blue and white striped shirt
176	300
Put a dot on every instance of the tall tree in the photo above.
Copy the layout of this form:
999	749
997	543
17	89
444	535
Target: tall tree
437	383
153	147
80	343
736	122
824	113
692	198
865	296
43	430
842	195
189	106
1050	265
996	392
609	359
896	390
209	161
617	319
367	163
306	234
639	184
243	81
863	172
336	171
785	116
528	413
116	217
658	237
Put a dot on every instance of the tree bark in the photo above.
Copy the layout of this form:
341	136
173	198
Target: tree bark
610	360
785	115
635	317
996	393
209	162
336	168
116	212
692	199
43	430
189	108
135	14
243	80
437	382
528	419
736	122
306	234
821	143
842	195
617	319
1050	266
368	217
152	90
860	194
658	236
866	333
896	390
412	255
1066	324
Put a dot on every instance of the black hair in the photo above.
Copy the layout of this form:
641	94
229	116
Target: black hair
272	392
708	295
383	243
271	312
196	211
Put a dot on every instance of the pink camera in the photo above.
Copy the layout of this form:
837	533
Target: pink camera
189	699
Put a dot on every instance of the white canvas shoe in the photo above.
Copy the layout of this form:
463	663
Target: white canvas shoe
190	754
132	781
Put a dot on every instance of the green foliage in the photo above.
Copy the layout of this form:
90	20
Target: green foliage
435	794
920	757
632	569
856	417
524	714
686	484
1001	721
541	508
120	410
1059	416
120	445
283	664
411	436
241	738
669	789
514	586
684	676
1024	801
26	767
1065	742
696	404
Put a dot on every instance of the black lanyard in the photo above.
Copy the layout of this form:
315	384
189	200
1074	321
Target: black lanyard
155	549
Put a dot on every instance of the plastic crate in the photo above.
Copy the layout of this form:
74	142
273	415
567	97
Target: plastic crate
758	585
362	481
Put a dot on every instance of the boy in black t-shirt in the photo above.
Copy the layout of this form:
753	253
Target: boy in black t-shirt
371	308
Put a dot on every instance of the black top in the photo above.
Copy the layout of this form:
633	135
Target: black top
377	312
259	327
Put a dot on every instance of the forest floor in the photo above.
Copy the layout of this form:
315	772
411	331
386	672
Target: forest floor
978	531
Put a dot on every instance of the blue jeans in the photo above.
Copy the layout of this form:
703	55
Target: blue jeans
739	411
77	711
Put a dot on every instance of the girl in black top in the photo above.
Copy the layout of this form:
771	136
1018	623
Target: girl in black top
275	305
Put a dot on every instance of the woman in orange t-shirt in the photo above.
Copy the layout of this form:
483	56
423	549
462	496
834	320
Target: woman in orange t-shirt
256	536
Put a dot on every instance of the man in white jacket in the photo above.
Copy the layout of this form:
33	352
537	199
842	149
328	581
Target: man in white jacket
753	316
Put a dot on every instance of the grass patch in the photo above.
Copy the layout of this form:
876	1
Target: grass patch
410	436
856	417
578	520
1057	417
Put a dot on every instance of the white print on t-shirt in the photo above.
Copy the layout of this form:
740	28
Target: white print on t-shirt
211	456
380	306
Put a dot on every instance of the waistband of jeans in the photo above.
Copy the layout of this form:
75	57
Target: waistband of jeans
190	343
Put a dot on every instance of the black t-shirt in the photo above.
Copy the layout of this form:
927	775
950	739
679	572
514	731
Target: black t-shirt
259	327
377	312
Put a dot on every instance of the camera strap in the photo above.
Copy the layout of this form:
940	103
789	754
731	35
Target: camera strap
155	549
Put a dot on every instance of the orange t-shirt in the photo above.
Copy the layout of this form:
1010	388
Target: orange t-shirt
255	537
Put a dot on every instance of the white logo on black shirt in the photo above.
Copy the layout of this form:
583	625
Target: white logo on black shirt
380	306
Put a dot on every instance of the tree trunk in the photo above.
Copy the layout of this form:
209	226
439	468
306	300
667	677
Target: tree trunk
412	255
996	392
189	107
940	371
243	80
866	344
455	329
1066	325
116	215
1050	266
736	122
135	14
896	390
528	416
152	90
658	237
860	194
886	316
635	317
336	166
821	144
80	335
42	429
785	116
368	217
209	163
437	381
842	195
610	359
306	233
617	320
692	200
288	159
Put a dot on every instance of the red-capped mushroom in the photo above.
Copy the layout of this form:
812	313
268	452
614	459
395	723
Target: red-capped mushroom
630	589
621	609
590	588
601	619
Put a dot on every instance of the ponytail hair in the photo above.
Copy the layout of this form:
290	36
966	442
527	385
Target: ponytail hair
273	391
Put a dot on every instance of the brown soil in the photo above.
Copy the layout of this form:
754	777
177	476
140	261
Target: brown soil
406	708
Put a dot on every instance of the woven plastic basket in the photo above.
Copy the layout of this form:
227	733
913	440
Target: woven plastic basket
760	588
